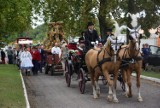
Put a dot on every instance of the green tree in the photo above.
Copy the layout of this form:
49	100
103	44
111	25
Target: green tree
14	17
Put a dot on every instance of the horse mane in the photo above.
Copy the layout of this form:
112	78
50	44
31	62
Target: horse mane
108	42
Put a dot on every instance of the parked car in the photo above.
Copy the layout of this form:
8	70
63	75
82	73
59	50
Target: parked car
154	57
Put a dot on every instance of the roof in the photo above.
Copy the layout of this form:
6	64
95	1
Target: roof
24	38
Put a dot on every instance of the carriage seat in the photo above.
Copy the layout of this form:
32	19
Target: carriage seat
72	46
56	58
52	58
49	59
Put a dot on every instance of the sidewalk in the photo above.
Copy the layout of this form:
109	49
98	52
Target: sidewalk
148	78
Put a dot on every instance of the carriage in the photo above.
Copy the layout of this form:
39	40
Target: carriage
71	62
52	63
55	35
75	63
110	59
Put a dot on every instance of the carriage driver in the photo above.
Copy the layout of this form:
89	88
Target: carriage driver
90	36
108	33
56	49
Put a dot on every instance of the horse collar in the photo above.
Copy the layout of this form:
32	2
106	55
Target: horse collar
107	52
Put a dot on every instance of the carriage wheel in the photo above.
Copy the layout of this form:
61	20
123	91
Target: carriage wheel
68	73
81	81
104	81
46	69
52	70
66	66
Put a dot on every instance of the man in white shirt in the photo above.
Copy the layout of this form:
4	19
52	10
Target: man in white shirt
56	50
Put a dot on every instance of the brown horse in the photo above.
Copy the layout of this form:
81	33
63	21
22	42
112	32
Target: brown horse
131	61
100	62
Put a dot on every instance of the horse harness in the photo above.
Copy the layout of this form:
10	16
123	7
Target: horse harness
100	62
130	60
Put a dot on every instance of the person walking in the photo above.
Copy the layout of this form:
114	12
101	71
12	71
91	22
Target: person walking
3	56
36	58
26	61
42	54
10	55
145	54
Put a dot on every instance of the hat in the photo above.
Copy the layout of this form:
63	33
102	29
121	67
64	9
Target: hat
90	24
108	30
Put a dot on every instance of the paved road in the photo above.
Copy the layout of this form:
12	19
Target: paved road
51	92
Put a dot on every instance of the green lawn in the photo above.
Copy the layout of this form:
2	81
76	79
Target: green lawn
11	91
151	74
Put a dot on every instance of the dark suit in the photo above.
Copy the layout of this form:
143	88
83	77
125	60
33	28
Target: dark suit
106	37
90	37
42	54
3	55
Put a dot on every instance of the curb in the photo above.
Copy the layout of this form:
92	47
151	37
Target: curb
25	92
148	78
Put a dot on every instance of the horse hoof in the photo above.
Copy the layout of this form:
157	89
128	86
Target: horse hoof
98	95
140	99
115	101
128	95
109	98
95	97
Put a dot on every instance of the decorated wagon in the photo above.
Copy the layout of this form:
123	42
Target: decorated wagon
54	35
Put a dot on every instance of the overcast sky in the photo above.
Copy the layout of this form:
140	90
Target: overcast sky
37	22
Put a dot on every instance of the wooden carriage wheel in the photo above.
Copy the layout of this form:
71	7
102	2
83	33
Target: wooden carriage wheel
68	74
82	81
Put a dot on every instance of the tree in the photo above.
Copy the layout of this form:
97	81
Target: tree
75	14
14	17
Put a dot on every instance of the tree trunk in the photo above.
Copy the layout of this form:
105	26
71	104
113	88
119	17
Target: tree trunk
132	10
102	17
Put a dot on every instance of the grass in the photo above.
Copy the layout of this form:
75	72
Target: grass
11	91
151	74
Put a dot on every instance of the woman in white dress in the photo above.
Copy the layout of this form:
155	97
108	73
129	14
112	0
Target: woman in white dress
26	61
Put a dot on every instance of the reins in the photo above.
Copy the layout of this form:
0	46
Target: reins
131	59
100	62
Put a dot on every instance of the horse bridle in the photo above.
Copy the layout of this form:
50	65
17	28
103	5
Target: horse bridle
132	39
135	41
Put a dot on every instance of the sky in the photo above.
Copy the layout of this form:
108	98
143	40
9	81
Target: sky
38	21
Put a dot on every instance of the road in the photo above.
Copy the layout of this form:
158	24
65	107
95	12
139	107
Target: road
47	91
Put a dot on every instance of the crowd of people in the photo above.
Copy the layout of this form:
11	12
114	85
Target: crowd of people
27	58
33	58
8	55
